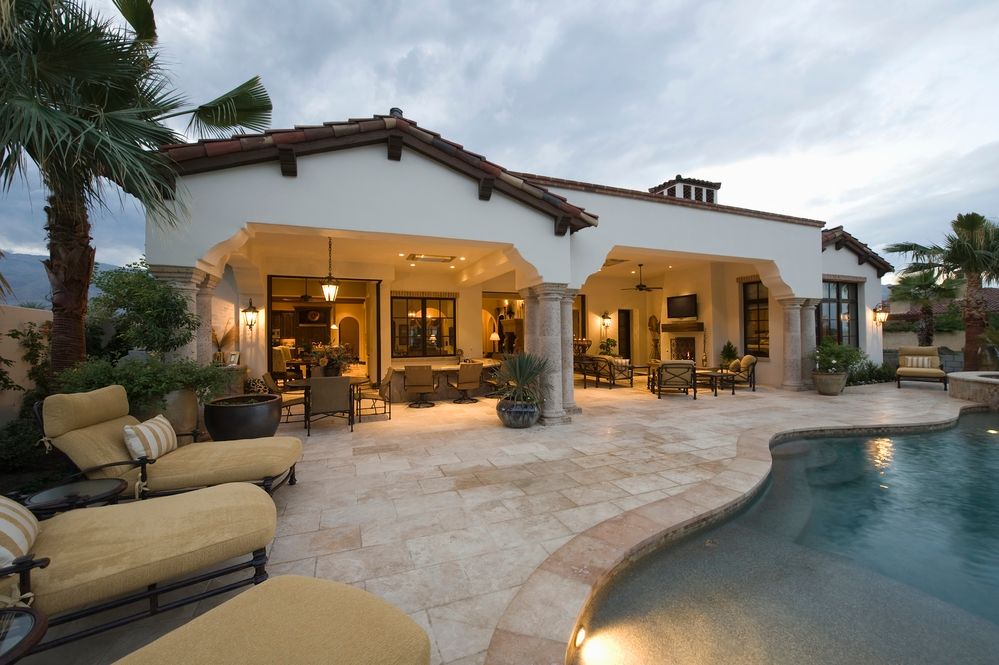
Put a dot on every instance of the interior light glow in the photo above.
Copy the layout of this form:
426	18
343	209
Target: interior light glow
461	258
451	267
601	649
402	254
992	431
580	636
670	267
412	265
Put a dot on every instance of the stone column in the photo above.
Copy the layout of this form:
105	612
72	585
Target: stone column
203	338
792	343
186	281
549	345
568	389
531	317
807	341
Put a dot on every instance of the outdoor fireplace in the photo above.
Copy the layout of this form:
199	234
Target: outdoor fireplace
682	348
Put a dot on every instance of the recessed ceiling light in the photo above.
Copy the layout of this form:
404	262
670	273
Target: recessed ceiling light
430	258
412	265
402	254
451	267
461	258
670	267
632	272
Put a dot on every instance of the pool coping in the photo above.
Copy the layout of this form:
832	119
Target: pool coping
539	622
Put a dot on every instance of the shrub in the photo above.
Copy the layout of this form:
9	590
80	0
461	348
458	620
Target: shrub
867	371
728	353
831	357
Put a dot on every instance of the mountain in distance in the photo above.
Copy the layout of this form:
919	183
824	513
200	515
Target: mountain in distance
28	281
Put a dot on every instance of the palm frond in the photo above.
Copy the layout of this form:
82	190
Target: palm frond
247	105
139	15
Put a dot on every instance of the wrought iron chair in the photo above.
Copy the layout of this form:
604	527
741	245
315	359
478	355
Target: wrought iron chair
371	402
679	375
289	396
330	396
745	374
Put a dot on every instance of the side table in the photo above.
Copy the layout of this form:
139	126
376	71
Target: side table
75	495
21	628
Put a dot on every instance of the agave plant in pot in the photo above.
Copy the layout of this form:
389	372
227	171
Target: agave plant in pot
521	378
833	362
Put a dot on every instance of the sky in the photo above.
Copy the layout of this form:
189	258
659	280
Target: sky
880	117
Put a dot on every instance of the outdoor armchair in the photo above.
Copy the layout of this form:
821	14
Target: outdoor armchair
919	363
84	562
89	428
330	396
744	372
420	380
289	396
679	375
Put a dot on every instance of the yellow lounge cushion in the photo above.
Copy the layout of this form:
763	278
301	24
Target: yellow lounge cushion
215	462
920	372
100	553
292	619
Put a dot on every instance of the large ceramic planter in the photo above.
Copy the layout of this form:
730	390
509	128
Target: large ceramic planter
829	384
243	416
517	415
332	370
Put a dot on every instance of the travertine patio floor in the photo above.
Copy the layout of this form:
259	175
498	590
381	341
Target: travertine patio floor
446	514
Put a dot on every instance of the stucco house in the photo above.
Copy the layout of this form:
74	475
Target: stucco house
432	244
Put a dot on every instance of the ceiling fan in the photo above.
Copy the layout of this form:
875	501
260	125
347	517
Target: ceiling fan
641	286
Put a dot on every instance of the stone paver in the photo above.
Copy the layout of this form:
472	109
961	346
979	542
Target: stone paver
447	514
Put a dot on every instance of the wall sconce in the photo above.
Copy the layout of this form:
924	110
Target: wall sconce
605	319
250	315
881	313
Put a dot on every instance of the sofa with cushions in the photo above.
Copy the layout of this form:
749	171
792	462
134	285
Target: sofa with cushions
919	363
607	368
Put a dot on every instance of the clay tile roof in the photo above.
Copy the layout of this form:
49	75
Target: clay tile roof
214	154
680	180
839	238
991	296
595	188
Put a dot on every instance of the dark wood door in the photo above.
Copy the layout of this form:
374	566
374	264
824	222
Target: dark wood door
624	332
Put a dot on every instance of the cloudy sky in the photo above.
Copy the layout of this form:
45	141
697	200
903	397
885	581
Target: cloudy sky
880	116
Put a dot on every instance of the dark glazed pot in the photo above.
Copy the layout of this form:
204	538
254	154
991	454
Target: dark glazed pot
332	370
517	415
243	416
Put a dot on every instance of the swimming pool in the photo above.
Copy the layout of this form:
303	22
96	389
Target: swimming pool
863	549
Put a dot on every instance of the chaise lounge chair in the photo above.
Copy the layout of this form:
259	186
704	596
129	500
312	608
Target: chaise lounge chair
83	562
89	428
295	620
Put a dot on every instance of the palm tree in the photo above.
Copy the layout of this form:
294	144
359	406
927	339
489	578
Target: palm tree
971	253
85	99
924	289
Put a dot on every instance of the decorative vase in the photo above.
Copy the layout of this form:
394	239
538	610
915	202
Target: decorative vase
332	370
517	415
827	383
243	416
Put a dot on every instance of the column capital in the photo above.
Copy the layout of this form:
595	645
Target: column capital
550	290
209	282
569	295
792	303
181	276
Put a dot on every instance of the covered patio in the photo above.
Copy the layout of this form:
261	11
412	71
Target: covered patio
490	538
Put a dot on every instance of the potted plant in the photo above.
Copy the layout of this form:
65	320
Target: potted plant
522	381
832	365
728	354
333	360
607	346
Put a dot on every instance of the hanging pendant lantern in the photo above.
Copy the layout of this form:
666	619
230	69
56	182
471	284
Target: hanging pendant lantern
330	285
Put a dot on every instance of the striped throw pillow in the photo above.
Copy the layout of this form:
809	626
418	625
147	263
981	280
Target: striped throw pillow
151	439
18	530
920	362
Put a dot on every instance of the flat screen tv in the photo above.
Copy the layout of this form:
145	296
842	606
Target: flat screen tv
682	307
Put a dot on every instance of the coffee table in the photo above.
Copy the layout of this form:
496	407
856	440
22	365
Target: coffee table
21	628
75	495
719	377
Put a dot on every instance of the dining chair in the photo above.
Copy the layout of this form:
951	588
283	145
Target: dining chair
469	377
330	396
289	396
420	380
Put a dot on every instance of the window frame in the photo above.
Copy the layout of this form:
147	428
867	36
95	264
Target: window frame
761	307
423	325
837	305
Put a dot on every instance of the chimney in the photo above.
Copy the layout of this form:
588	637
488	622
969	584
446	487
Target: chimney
395	112
691	189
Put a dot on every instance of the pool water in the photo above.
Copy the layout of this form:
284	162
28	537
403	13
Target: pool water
862	549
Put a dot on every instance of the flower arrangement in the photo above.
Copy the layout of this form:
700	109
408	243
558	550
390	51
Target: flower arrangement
833	358
336	358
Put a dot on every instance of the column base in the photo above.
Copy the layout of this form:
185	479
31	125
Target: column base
572	410
555	420
796	387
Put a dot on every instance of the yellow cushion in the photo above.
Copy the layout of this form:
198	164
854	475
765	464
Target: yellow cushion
922	373
216	462
100	553
66	412
292	619
151	439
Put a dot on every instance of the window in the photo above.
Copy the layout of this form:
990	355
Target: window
837	316
423	327
756	319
